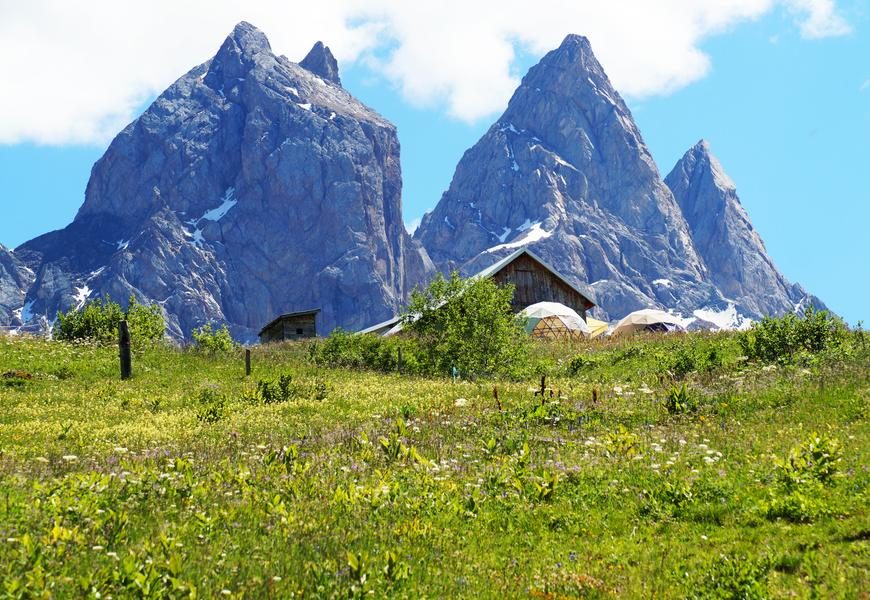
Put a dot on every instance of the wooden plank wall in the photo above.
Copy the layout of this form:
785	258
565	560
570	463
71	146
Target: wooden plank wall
287	329
533	283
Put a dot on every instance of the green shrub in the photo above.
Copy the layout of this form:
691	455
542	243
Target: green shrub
680	400
682	363
817	458
782	339
213	340
801	477
98	321
730	577
581	363
272	391
802	504
354	351
211	404
468	324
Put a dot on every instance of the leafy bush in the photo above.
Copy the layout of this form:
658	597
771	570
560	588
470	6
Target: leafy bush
272	391
344	349
211	405
801	477
98	321
817	458
781	339
735	577
680	400
213	340
621	443
468	324
581	363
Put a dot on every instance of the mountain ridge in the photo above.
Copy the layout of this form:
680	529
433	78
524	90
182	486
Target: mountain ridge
254	186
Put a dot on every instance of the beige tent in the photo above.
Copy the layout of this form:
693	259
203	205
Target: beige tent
596	327
648	319
554	320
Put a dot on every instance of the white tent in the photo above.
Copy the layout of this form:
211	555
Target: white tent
648	319
554	320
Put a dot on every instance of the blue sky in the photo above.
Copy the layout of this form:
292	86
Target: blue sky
787	114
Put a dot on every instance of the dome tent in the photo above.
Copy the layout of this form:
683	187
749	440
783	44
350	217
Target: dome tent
648	319
596	327
554	320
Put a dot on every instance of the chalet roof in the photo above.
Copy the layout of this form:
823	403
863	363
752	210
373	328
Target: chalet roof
498	266
384	325
300	313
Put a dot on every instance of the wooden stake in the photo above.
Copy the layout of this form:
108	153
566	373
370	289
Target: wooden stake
247	362
124	350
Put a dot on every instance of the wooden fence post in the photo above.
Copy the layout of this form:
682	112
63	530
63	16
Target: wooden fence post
247	362
124	350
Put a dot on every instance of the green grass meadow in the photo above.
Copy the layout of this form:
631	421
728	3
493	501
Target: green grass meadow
633	476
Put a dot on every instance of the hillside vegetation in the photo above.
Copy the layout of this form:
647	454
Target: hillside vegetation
657	466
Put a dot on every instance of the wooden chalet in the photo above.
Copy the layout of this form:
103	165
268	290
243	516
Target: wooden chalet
290	326
534	281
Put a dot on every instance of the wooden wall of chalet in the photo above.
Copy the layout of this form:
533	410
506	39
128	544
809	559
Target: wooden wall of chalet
291	328
533	283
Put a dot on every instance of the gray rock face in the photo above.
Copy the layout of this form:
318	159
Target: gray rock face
15	279
320	61
735	256
252	186
566	172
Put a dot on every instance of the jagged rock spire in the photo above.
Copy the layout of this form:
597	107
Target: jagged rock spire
236	54
320	61
731	248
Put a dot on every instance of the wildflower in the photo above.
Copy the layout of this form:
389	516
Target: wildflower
276	578
41	459
226	592
121	450
460	402
70	457
112	554
96	548
682	442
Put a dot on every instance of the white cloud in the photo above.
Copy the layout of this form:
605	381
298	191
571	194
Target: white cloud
412	226
820	18
76	72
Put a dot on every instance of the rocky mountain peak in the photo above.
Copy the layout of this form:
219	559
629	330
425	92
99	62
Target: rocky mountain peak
237	54
699	161
732	250
321	62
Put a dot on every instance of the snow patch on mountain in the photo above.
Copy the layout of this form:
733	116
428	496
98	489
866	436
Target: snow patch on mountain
725	319
532	232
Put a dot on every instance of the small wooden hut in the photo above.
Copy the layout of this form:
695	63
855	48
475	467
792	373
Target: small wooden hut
290	326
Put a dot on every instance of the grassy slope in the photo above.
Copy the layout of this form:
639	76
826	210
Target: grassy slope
119	487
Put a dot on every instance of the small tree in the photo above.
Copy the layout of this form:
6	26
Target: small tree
468	324
213	340
98	321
